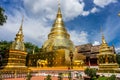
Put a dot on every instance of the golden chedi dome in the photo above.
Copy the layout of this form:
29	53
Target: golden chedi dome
58	38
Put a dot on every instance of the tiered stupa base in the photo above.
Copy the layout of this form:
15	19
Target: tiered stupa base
109	68
17	70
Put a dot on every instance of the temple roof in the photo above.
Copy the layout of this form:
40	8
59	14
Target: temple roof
79	56
89	49
95	48
84	48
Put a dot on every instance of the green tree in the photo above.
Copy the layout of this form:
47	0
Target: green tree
29	76
118	58
103	78
30	47
48	77
60	76
90	72
69	75
3	17
4	47
112	77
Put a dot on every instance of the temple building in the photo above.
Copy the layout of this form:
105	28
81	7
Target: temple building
59	42
106	58
91	52
59	51
15	59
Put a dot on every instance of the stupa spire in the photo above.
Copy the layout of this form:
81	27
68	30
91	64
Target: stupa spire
103	38
21	29
58	25
18	43
59	15
104	46
58	37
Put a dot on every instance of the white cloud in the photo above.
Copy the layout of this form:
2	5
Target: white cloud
96	43
34	30
38	15
94	10
103	3
79	38
46	9
85	13
117	49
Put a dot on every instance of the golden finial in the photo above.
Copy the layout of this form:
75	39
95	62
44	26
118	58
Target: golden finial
119	14
103	38
101	31
22	22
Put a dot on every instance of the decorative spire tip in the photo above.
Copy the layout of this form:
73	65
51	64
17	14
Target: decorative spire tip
58	3
22	20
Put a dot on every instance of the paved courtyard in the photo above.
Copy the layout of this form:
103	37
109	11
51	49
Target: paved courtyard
36	78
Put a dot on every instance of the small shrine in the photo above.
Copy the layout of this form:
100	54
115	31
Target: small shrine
15	59
107	58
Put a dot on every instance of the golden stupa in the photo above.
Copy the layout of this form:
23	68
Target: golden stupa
59	42
15	60
106	58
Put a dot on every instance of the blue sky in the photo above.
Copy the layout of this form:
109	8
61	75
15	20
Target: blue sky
83	20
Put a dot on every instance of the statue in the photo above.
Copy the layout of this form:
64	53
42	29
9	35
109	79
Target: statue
42	63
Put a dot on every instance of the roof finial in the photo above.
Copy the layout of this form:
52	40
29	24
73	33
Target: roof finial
22	21
58	3
119	14
103	38
101	31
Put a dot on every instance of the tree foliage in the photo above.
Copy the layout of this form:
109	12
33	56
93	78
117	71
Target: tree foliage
29	76
3	17
31	47
90	72
118	58
48	77
69	75
60	76
5	45
112	77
